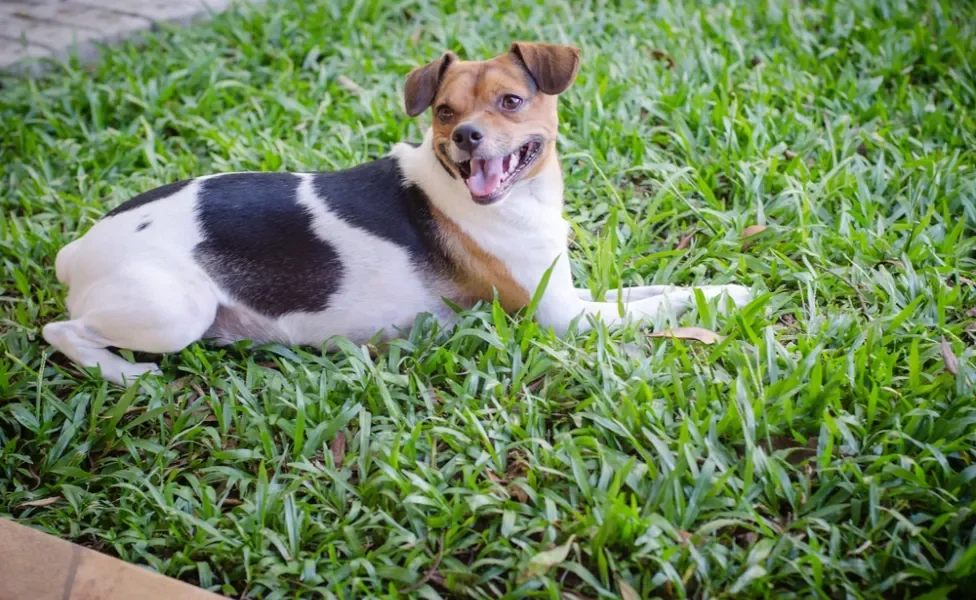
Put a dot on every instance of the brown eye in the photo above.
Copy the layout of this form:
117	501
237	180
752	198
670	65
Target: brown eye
511	102
444	113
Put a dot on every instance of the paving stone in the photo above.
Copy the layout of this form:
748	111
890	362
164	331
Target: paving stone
59	28
44	33
168	11
61	40
109	24
13	51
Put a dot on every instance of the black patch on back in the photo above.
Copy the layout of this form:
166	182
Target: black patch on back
143	225
375	197
260	247
152	195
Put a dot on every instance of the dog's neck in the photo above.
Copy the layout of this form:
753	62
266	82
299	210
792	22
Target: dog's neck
508	245
529	204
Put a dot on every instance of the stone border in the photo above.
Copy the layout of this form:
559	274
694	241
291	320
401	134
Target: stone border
37	29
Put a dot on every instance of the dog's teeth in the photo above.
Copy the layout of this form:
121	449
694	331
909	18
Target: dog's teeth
513	162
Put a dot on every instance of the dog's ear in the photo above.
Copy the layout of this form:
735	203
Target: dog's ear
552	66
422	84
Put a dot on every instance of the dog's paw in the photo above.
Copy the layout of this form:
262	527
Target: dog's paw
131	372
740	294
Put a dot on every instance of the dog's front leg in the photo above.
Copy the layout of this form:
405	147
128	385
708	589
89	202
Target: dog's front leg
630	293
640	306
562	302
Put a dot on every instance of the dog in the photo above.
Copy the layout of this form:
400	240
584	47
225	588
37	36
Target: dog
473	213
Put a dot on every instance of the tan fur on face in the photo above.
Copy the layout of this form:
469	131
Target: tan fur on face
473	91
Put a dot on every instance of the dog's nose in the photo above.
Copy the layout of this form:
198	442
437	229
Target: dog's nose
467	137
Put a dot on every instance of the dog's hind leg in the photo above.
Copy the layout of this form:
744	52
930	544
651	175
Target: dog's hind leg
146	308
88	349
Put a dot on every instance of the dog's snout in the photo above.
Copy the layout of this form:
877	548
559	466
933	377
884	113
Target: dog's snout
467	137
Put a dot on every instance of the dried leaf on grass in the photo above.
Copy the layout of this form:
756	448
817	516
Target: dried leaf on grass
686	240
567	595
518	493
698	334
339	450
949	357
39	503
662	55
543	561
513	489
860	548
349	85
750	232
627	591
753	230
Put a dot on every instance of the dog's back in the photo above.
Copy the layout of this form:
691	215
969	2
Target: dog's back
285	257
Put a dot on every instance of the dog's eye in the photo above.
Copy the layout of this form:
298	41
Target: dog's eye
511	102
444	113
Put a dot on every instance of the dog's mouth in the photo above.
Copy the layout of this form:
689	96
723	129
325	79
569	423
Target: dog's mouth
488	179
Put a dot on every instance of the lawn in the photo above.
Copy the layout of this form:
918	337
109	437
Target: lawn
823	153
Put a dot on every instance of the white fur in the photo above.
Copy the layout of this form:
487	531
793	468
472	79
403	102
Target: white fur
379	280
527	232
144	291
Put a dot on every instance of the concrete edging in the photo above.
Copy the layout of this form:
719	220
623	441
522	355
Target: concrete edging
31	30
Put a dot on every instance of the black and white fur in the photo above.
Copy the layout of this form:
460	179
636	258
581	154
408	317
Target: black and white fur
300	258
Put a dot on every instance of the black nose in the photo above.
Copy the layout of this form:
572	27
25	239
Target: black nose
467	137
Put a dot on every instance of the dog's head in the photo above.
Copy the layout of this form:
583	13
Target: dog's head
495	121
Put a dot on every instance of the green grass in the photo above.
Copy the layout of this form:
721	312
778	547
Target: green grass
826	448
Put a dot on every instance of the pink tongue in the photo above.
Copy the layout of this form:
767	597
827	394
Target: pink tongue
486	176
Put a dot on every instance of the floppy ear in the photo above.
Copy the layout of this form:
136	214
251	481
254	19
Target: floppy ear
422	84
552	66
